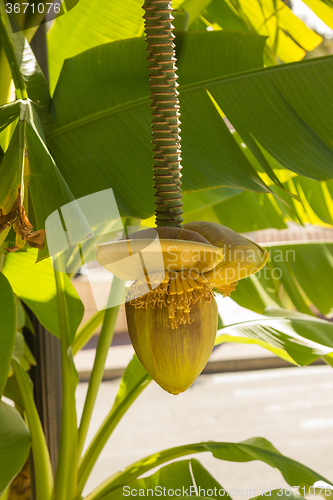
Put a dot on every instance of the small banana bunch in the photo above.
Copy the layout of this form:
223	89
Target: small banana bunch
170	308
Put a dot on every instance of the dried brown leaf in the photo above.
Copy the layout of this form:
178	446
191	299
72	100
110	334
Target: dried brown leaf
17	218
20	488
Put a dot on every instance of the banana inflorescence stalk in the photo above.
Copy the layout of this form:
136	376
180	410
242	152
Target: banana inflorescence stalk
165	112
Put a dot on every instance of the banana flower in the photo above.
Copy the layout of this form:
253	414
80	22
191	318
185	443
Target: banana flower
170	308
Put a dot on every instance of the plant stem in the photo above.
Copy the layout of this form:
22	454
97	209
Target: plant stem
6	77
21	92
86	332
67	467
165	114
106	429
104	342
42	463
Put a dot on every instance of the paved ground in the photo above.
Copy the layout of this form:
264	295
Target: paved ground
291	407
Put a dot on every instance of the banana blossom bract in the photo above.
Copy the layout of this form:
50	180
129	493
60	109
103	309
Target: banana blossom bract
170	308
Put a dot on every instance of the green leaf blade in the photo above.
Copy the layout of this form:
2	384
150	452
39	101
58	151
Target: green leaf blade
8	328
35	285
105	121
183	478
252	449
14	444
290	118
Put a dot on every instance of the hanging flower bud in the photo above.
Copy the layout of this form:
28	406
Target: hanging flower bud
171	311
173	355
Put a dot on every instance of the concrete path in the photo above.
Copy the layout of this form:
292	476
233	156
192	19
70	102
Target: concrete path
291	407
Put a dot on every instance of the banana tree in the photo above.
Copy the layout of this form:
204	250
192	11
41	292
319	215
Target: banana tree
89	131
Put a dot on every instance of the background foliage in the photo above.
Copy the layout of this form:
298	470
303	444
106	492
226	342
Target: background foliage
257	148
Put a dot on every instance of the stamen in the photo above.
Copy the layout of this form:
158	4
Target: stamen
177	291
226	290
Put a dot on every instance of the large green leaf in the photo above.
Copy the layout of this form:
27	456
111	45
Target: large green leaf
226	16
302	337
102	137
297	274
8	328
284	108
11	171
14	444
47	187
316	200
287	34
182	478
204	200
38	173
323	9
256	448
282	494
12	391
272	18
252	294
245	211
241	211
8	113
35	285
34	79
90	24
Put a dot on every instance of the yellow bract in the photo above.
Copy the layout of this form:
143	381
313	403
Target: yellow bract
242	257
214	251
127	259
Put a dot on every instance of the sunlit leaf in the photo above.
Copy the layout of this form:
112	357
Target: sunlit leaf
35	285
183	477
256	448
91	24
290	119
8	328
298	339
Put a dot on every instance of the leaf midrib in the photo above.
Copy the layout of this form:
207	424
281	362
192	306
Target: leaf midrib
200	448
185	88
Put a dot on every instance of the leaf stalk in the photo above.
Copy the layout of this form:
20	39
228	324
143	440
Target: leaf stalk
41	457
67	467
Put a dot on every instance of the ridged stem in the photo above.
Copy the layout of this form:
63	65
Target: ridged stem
165	112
